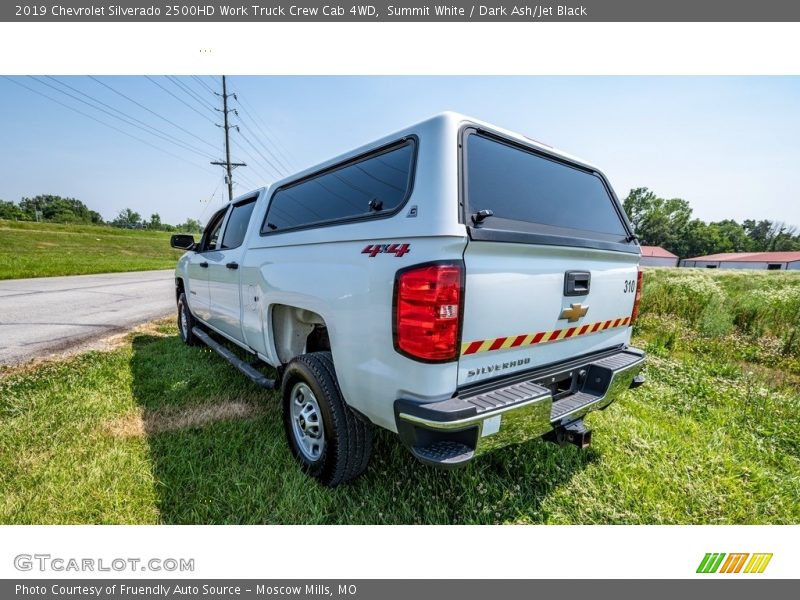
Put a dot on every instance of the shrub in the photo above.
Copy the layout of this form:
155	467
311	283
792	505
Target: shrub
755	304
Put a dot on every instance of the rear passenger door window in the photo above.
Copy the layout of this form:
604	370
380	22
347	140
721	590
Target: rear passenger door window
374	185
236	228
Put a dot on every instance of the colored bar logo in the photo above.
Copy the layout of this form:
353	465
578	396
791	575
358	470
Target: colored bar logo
719	562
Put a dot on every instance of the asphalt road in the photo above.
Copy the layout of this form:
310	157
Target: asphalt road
44	316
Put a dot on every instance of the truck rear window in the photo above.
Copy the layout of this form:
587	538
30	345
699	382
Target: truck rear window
374	185
522	186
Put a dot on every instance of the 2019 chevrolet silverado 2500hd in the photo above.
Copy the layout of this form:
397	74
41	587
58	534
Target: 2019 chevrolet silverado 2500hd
456	283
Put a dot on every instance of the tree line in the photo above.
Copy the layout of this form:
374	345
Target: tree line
668	223
55	209
657	221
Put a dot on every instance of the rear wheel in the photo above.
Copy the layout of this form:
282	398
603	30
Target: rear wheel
185	322
331	443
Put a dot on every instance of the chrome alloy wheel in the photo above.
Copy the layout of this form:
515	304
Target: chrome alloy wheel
307	422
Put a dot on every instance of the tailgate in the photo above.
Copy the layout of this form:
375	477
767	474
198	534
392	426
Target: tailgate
519	315
551	267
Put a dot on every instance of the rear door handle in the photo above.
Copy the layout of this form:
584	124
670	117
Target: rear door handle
204	265
232	265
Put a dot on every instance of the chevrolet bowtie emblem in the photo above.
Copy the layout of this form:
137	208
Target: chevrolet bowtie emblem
574	312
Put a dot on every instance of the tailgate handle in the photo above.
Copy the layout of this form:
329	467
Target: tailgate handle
576	283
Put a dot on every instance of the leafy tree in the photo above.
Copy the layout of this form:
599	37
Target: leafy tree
127	219
12	212
667	223
730	236
59	210
154	222
190	226
658	221
768	236
784	237
698	240
637	204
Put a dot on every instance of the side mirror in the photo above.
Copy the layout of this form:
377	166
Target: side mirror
182	241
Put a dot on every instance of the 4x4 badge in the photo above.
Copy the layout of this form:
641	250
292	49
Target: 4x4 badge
574	312
397	249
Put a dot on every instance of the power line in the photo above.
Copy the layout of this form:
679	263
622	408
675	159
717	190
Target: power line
253	162
250	183
190	83
203	83
163	118
125	118
279	172
259	138
189	92
271	138
88	116
209	202
269	135
179	99
199	87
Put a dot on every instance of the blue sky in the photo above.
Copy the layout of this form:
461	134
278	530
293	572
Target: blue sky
729	145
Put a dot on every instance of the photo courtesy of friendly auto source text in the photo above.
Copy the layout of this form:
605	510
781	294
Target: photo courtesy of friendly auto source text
322	265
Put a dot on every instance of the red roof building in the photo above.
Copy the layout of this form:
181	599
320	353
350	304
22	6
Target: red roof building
747	260
656	256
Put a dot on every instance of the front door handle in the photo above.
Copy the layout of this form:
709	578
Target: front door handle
232	265
204	265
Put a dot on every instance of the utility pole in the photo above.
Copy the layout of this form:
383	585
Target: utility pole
229	166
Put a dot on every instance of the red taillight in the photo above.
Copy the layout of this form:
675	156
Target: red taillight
638	298
427	311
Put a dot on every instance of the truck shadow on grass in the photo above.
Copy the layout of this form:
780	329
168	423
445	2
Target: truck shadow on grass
219	455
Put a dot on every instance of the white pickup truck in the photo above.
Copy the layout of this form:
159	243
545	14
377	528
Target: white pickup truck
461	285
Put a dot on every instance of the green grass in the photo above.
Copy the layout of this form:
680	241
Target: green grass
48	249
712	438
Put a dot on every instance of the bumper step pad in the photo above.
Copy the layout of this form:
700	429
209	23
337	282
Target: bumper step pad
570	404
511	395
444	452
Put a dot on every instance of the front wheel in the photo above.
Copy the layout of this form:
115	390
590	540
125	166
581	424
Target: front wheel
186	322
331	443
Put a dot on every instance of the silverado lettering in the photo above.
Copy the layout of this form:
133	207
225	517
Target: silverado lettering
498	367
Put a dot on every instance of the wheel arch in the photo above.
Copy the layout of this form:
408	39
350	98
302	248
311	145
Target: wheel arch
297	331
180	287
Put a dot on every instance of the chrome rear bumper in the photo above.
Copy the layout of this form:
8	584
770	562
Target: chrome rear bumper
515	409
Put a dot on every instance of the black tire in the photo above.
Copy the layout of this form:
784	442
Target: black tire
185	322
342	449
